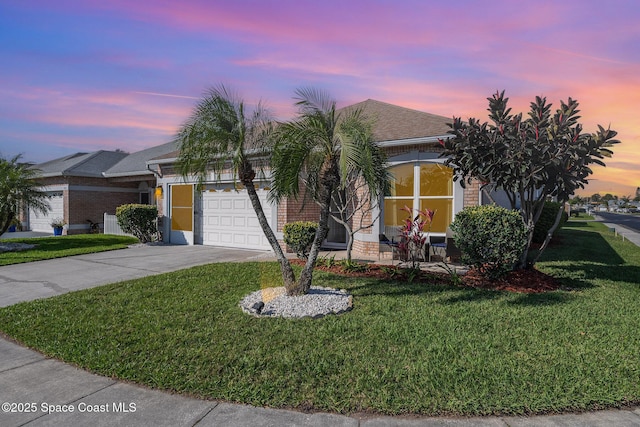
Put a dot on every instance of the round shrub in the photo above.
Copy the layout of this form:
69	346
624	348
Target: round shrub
546	220
491	238
299	235
139	220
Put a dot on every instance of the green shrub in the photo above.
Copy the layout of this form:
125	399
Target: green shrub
299	235
139	220
546	220
491	238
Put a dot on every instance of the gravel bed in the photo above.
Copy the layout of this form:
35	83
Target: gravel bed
15	247
319	302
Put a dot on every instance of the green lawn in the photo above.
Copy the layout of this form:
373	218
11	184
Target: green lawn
62	246
404	348
581	217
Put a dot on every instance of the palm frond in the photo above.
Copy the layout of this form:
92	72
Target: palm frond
19	188
220	133
312	101
320	140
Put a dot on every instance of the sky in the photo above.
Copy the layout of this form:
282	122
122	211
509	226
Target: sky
86	75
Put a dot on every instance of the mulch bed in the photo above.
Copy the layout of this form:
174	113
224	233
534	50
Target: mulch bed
522	281
529	281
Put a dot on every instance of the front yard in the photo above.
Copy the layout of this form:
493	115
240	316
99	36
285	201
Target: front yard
63	246
404	348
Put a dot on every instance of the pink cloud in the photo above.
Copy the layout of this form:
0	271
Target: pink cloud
99	109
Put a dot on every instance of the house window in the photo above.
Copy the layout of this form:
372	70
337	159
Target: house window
144	198
420	186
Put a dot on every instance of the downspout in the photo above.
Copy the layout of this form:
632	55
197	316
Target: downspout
156	173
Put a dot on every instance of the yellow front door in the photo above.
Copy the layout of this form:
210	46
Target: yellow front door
182	213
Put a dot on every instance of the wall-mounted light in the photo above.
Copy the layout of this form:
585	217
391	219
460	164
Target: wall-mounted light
158	192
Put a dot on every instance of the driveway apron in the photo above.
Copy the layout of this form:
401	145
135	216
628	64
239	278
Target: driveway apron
42	279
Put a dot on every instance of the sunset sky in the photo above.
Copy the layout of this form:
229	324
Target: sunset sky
85	75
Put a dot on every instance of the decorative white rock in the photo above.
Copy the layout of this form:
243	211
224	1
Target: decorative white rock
319	302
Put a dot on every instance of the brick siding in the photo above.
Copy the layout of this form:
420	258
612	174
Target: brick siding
84	203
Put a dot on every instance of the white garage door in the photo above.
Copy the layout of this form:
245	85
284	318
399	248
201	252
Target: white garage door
42	222
228	219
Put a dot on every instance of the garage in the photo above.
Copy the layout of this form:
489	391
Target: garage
228	218
42	222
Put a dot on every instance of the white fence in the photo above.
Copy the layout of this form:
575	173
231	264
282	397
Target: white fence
111	226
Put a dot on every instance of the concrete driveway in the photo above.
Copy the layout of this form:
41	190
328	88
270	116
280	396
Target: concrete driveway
42	279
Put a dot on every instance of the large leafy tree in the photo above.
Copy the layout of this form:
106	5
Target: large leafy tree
223	136
19	189
320	150
534	159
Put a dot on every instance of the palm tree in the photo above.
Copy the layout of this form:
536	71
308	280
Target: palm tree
221	136
320	149
18	190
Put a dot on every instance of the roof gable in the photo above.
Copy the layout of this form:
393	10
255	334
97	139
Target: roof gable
136	163
81	164
394	123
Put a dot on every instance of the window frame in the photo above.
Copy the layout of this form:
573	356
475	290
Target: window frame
416	198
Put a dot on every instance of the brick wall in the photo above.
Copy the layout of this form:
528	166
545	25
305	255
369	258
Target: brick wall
368	250
290	210
364	216
472	194
88	198
81	206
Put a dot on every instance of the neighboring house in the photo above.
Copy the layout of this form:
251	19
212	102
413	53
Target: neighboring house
83	186
221	214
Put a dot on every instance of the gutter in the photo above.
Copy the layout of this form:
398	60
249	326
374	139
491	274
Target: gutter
413	141
121	174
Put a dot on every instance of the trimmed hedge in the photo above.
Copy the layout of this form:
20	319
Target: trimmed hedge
491	238
139	220
299	235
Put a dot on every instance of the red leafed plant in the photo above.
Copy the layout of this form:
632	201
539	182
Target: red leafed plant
413	237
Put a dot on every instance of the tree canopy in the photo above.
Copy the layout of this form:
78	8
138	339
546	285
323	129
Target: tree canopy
222	136
531	159
19	189
321	148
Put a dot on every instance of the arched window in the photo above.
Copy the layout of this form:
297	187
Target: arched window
420	185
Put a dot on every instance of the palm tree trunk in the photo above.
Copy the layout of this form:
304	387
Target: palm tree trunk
288	277
306	275
7	222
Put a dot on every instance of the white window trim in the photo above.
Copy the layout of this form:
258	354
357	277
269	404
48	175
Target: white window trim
418	159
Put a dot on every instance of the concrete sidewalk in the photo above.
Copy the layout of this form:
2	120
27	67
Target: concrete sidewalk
624	232
36	391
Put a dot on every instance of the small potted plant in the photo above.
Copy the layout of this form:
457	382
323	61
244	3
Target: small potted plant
15	225
58	225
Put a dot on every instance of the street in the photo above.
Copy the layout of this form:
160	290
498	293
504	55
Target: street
627	220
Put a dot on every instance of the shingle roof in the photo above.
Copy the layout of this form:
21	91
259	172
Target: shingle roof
81	164
394	123
136	163
390	123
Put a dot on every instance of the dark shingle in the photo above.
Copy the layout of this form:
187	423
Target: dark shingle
393	123
81	164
